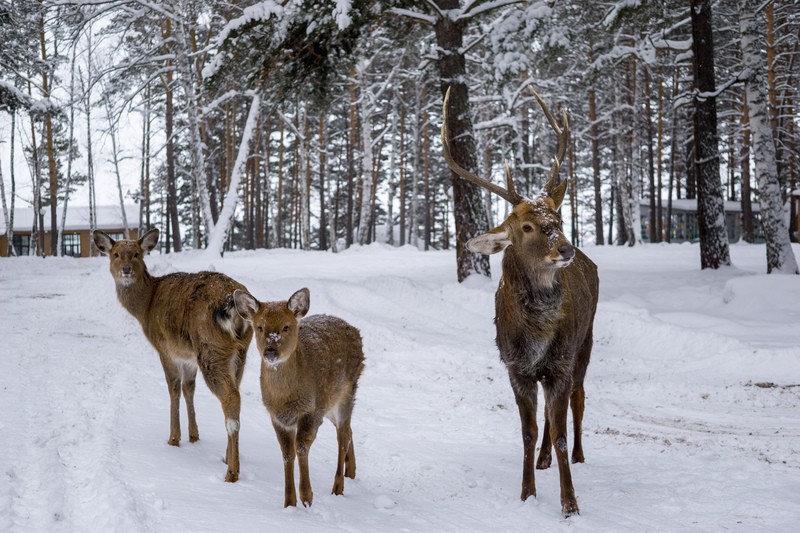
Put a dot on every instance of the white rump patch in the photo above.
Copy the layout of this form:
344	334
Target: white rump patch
232	426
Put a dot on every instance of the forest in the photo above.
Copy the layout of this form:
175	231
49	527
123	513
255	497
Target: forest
315	124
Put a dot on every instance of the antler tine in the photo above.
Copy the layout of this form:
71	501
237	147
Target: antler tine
510	195
562	133
510	181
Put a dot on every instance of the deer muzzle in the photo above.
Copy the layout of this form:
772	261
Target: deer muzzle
270	354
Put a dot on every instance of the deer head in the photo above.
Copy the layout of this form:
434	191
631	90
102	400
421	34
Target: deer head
126	256
533	228
276	324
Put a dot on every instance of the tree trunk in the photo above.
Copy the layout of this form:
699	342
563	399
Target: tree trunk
49	145
748	233
714	250
402	176
595	143
69	148
172	194
351	168
218	237
469	213
780	256
10	221
323	217
651	174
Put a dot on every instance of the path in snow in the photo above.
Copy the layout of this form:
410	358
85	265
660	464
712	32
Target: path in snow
691	419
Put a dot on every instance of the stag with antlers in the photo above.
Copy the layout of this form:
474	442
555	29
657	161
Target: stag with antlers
545	306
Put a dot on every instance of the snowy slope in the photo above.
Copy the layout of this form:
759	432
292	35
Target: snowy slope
692	419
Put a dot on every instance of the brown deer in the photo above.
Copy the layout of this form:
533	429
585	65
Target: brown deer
191	322
545	305
309	371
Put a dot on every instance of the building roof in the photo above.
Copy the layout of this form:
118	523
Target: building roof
108	217
686	205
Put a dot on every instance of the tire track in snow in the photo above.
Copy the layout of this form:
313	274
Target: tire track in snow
67	478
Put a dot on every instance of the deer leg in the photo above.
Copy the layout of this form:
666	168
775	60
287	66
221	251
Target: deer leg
578	399
306	433
188	386
231	406
286	440
526	403
173	377
577	402
223	385
350	460
343	437
557	399
545	451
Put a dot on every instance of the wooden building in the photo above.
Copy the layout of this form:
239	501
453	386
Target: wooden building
77	229
683	225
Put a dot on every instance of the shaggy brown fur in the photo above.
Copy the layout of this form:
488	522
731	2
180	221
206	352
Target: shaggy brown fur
309	371
191	322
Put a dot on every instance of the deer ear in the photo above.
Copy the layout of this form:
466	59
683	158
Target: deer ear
102	241
299	303
246	305
556	193
490	243
149	240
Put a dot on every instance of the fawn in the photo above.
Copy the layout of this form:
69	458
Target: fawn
544	313
191	321
309	371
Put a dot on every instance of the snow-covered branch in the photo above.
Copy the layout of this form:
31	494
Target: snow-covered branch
415	15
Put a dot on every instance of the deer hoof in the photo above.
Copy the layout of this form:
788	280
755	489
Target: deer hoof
570	508
527	493
231	476
338	487
174	441
194	438
543	463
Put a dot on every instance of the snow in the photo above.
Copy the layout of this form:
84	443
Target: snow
106	216
692	413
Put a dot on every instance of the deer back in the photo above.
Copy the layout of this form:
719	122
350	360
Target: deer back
180	313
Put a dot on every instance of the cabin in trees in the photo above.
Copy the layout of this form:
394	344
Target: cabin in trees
683	227
77	229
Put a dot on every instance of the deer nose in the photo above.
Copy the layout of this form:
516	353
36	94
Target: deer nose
567	251
126	269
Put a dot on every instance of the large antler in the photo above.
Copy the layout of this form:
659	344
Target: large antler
563	138
509	193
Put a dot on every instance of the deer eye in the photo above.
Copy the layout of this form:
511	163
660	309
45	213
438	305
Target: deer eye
116	254
136	255
527	228
285	328
260	329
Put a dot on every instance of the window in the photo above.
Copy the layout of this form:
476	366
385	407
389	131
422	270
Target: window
71	244
22	244
116	236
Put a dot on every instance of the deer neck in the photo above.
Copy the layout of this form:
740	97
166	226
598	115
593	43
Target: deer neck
136	297
535	295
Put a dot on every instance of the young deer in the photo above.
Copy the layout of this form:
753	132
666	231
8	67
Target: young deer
309	371
191	322
545	306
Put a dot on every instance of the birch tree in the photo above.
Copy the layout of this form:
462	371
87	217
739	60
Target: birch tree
780	256
219	234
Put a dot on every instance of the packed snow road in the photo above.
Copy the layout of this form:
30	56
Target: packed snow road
692	419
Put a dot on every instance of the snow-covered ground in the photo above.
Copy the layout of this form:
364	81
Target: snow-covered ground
692	417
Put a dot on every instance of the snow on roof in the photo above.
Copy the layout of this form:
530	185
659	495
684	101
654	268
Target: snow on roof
107	216
690	205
